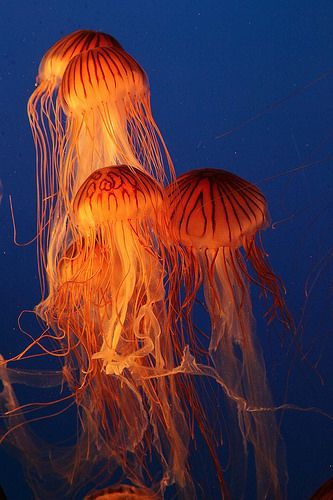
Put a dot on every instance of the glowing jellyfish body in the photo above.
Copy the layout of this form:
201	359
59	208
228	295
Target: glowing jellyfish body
115	213
105	96
116	206
213	215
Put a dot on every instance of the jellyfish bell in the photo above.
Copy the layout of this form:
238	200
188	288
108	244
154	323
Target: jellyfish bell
215	208
105	96
56	59
43	110
51	71
116	193
215	220
101	75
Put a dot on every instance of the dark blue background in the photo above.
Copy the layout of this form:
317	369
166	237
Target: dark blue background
213	65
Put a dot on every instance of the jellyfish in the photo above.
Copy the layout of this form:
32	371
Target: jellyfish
46	123
215	219
107	310
95	282
105	97
116	207
104	302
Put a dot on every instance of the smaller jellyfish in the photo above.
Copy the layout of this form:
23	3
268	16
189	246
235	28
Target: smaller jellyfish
324	492
215	219
46	124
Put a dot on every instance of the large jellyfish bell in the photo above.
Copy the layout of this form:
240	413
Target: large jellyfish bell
215	219
105	96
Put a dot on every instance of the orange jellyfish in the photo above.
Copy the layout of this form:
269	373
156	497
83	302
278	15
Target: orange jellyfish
116	208
109	283
215	218
107	310
45	120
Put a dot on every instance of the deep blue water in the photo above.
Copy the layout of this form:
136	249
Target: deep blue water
213	66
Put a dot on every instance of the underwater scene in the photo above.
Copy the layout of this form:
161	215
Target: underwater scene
166	250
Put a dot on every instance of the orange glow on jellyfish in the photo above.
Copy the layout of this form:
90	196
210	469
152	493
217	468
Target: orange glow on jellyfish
105	96
215	214
123	492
